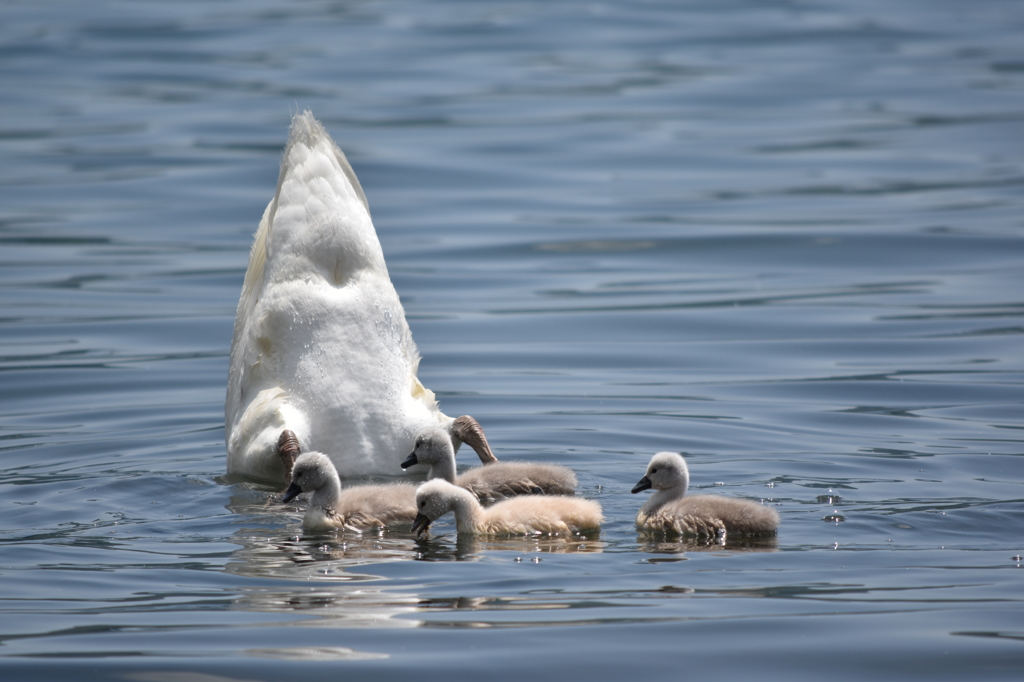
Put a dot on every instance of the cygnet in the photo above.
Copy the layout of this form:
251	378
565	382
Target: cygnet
492	482
356	508
525	515
669	509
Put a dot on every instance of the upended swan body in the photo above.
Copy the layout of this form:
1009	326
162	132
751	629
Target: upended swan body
492	482
670	509
321	346
525	515
356	508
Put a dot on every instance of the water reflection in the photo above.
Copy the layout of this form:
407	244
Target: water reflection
321	653
338	587
335	592
660	542
262	506
469	547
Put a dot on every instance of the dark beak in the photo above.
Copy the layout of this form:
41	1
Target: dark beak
410	461
420	524
643	484
292	491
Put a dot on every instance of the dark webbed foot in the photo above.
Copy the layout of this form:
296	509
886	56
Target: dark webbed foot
288	451
469	431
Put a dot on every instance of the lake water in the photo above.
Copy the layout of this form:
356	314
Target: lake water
785	238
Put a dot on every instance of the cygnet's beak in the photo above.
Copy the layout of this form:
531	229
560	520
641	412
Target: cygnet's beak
293	490
420	523
643	484
410	461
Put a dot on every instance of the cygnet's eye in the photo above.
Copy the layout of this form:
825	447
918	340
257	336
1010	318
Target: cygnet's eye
654	471
298	474
423	503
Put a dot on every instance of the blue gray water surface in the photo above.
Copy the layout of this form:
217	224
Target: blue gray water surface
785	238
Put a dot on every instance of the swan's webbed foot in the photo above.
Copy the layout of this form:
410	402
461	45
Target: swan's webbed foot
288	451
469	431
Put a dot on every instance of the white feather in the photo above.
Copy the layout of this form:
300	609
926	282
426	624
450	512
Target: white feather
321	345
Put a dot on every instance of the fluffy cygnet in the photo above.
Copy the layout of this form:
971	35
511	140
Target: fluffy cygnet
525	515
356	508
669	509
493	482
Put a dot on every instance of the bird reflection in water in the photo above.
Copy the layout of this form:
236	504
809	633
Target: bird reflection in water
662	542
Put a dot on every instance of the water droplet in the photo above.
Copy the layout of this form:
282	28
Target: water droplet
1016	558
518	559
770	484
719	483
835	545
325	548
535	559
834	517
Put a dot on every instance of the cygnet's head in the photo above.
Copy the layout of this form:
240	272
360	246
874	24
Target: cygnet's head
434	499
312	470
667	470
433	446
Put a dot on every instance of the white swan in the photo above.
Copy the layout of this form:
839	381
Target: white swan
321	347
669	509
356	508
492	482
526	515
